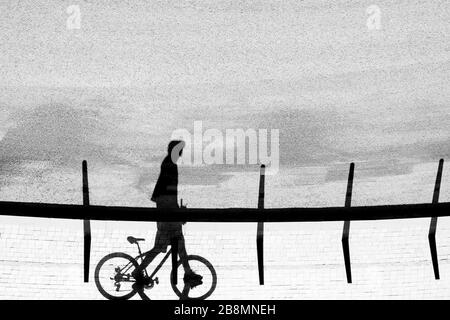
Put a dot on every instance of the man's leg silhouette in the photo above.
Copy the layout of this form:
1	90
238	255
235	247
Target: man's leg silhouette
138	273
149	257
183	255
161	242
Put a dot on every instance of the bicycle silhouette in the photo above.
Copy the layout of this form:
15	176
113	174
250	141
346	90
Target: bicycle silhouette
114	280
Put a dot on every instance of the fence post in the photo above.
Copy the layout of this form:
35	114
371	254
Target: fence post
86	223
260	230
346	230
433	223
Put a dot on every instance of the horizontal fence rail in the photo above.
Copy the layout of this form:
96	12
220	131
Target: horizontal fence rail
70	211
87	212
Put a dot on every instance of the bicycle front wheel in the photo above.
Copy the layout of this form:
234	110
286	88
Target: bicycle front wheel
113	276
202	267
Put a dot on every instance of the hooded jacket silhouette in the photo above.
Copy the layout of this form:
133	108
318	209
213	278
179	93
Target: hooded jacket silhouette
166	188
165	193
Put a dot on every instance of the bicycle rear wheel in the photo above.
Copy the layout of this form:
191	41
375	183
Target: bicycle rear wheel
202	267
113	276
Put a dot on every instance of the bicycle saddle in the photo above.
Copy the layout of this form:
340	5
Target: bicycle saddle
134	240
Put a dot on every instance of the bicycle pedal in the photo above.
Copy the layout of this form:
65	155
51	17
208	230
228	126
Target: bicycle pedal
156	280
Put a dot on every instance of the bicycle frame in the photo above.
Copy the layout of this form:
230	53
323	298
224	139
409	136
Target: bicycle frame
141	256
158	266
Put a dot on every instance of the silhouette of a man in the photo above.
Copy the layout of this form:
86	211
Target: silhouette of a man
165	195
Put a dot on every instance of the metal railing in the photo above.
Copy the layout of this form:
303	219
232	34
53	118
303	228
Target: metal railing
259	215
